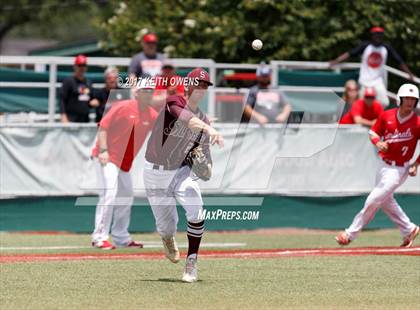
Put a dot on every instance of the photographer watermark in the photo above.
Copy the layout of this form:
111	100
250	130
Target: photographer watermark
228	215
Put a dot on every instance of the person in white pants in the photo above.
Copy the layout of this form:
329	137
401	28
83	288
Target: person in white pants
122	132
181	127
395	134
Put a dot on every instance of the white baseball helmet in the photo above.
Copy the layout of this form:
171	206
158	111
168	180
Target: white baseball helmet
408	90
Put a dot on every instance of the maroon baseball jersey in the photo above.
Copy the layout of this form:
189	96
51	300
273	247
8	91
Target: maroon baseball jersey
401	135
171	139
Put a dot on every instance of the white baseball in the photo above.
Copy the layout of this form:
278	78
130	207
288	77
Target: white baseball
257	44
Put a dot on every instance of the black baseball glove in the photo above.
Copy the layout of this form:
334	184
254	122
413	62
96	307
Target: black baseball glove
199	163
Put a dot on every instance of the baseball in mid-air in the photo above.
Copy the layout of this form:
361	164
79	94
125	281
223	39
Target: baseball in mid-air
257	44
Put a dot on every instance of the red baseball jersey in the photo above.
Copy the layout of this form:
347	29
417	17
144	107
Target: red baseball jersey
127	128
401	135
359	108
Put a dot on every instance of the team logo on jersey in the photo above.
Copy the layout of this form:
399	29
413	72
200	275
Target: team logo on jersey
177	129
374	60
397	136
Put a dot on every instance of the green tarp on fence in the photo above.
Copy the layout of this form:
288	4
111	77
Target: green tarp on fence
36	99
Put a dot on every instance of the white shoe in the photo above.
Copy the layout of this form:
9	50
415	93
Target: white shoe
191	272
171	249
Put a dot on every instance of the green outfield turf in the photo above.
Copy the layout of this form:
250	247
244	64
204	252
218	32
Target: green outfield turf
313	282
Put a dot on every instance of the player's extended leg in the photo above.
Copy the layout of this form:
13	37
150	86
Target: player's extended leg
163	204
108	176
122	210
188	194
388	179
408	229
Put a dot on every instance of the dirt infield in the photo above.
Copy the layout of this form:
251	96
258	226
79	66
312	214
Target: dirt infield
251	254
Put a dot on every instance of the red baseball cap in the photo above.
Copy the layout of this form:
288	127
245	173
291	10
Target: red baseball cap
200	74
80	60
370	92
377	29
150	38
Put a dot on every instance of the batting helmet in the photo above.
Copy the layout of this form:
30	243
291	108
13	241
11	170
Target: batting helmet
408	90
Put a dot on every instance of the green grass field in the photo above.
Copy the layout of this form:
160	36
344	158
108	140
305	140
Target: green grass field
312	282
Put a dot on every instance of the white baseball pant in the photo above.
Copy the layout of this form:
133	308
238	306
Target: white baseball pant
114	205
388	179
164	188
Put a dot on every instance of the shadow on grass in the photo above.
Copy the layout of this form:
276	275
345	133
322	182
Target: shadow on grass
166	280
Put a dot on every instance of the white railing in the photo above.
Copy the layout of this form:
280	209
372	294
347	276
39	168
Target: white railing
40	62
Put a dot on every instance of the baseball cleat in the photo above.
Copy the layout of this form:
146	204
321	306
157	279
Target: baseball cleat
342	238
408	241
134	244
104	245
171	249
191	272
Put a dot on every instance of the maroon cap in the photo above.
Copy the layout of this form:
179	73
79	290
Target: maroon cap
150	38
200	74
377	30
80	60
370	92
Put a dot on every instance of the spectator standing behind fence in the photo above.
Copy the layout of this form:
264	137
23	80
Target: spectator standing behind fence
350	95
266	105
149	61
374	57
101	95
76	94
364	111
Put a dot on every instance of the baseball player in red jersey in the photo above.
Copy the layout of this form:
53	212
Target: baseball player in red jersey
180	128
122	132
395	135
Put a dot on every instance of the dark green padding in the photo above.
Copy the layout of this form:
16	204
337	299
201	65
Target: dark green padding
60	214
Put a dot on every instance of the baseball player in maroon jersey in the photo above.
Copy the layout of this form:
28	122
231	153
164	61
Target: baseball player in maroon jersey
395	135
122	132
180	128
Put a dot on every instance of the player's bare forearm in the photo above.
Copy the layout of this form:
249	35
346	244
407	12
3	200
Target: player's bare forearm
102	138
412	171
362	121
376	141
339	59
250	113
64	118
197	125
405	68
284	115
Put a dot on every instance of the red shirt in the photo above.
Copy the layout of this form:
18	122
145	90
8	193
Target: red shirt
127	127
360	108
401	137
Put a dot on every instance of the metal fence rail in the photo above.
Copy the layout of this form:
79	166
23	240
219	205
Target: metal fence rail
40	63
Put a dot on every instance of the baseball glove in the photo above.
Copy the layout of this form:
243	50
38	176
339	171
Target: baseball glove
199	163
